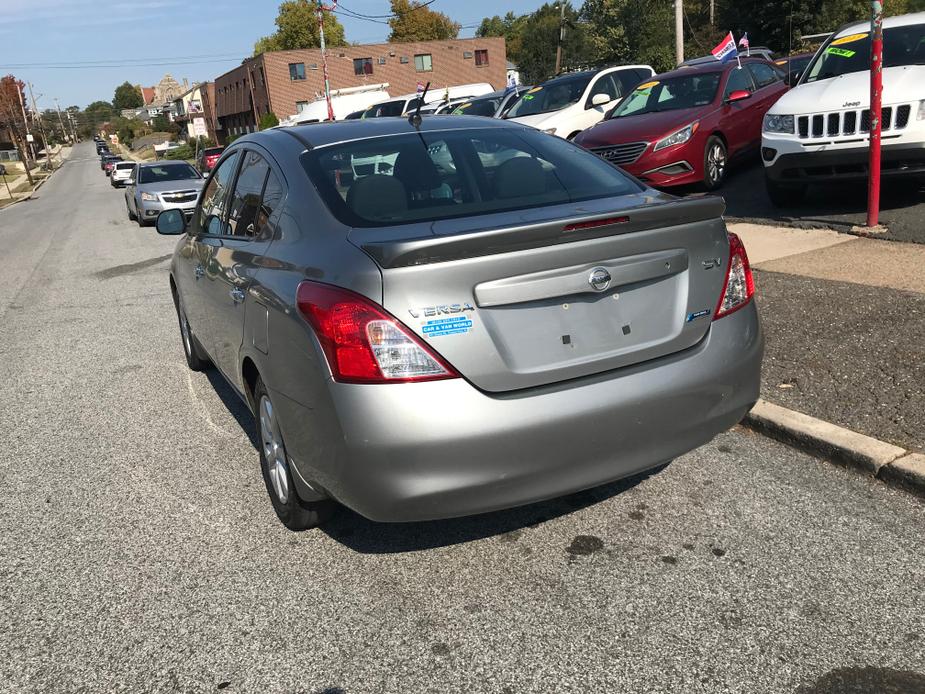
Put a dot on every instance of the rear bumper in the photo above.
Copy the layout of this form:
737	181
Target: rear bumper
442	449
842	164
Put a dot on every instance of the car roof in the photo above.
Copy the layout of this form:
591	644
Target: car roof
161	162
703	68
888	23
311	135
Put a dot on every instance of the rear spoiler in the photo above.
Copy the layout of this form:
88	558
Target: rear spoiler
435	249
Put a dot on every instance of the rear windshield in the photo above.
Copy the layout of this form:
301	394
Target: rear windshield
901	46
121	166
388	108
212	151
430	176
166	172
552	96
478	107
654	96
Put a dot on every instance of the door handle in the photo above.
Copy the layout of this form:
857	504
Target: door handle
237	295
199	272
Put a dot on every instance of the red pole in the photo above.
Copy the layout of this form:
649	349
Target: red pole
876	89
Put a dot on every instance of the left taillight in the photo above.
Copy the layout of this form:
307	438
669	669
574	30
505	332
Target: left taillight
362	342
739	286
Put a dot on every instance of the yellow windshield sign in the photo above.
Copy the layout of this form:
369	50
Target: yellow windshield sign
849	39
535	89
647	85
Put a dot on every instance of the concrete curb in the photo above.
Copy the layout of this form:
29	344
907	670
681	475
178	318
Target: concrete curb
839	445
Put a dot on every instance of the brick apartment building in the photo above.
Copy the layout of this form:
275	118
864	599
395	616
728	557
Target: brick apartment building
280	81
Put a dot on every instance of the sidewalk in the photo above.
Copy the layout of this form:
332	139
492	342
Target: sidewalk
59	156
844	319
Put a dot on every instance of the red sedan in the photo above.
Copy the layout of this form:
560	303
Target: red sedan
685	126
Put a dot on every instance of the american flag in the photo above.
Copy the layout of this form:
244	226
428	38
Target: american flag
743	42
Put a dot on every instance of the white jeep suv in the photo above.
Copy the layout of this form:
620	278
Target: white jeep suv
819	130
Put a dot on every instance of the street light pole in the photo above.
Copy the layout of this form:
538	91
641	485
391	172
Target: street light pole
876	93
678	31
324	58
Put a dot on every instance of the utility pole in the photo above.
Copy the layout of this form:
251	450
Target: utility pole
25	123
876	94
561	36
64	131
324	58
679	30
35	111
712	5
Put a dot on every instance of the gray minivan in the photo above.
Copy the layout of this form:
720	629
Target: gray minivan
441	318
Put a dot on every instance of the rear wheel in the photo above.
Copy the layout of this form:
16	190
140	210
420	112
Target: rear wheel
785	195
714	163
294	513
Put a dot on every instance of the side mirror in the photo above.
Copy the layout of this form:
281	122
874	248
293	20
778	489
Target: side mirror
792	78
600	99
171	222
738	95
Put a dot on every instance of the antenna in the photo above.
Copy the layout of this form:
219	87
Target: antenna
415	118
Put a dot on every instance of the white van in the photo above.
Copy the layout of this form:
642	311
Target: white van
401	105
819	130
343	101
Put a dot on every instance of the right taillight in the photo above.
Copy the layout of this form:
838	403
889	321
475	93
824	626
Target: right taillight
739	286
362	342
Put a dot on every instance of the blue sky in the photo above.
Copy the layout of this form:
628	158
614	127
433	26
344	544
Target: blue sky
196	39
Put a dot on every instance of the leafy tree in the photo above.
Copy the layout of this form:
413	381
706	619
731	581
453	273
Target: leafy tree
99	107
539	34
162	124
268	120
510	27
413	21
297	27
127	96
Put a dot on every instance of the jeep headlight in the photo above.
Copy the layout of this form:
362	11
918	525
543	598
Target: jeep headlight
774	123
148	197
677	138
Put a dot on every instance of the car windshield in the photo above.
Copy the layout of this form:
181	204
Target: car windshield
654	96
166	172
388	108
552	96
431	176
901	46
478	107
213	151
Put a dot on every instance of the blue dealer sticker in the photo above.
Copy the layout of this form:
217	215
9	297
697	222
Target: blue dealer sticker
447	326
698	314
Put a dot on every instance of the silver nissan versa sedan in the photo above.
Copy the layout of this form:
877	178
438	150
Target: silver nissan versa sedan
458	317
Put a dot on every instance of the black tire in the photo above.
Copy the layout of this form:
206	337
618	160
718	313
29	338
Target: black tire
131	215
572	137
292	511
715	163
784	195
195	358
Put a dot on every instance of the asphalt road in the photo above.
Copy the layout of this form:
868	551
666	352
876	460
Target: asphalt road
138	551
840	206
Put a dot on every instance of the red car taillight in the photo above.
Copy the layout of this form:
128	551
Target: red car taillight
739	285
362	342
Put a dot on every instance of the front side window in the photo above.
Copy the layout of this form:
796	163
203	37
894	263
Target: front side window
739	80
481	56
300	106
215	197
655	96
605	85
248	193
297	71
362	66
426	177
423	63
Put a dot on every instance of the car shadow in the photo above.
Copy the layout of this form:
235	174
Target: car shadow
370	537
235	406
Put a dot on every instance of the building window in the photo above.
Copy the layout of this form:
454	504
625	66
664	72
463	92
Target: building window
362	66
263	78
467	55
299	105
403	60
423	63
313	66
297	71
481	57
382	61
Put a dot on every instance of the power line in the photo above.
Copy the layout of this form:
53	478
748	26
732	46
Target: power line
129	60
385	16
57	66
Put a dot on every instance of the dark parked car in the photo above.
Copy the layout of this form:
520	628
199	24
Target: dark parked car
2	170
208	157
793	66
110	162
685	126
107	158
500	318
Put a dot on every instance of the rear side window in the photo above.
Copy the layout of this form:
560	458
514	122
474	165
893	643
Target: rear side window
248	193
215	197
431	176
764	74
739	80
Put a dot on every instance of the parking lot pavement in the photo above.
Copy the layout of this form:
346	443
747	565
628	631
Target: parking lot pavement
841	206
139	551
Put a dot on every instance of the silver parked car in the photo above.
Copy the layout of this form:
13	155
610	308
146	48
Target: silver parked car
460	317
161	185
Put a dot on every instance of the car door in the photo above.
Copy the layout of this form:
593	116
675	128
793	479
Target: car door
130	191
735	124
203	233
235	255
769	87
